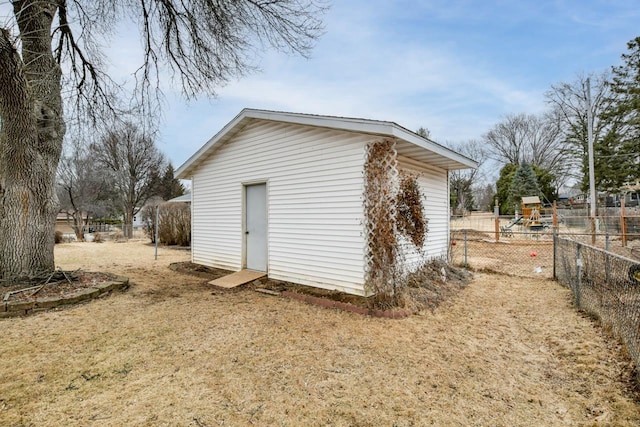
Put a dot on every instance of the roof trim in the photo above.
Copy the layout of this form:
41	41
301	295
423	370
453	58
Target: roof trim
374	127
185	198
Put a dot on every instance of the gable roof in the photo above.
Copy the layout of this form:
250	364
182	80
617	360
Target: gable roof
412	145
529	200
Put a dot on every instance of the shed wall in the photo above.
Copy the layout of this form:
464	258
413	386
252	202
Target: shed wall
433	183
314	203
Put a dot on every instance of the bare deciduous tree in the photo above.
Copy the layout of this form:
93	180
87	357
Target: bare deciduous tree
462	182
526	138
50	45
134	163
83	187
569	103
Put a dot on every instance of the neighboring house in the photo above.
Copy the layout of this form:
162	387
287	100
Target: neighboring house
307	198
63	223
185	198
138	223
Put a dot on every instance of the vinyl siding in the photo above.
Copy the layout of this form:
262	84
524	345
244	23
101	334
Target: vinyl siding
314	203
433	184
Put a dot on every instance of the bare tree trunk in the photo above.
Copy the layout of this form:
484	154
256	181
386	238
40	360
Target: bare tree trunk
31	135
127	223
78	226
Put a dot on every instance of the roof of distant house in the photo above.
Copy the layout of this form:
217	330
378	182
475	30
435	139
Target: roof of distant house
185	198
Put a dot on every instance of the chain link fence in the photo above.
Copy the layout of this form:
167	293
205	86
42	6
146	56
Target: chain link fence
117	233
605	285
523	254
602	270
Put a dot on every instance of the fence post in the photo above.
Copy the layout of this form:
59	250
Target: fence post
578	290
496	213
156	239
555	214
606	257
555	247
465	249
623	223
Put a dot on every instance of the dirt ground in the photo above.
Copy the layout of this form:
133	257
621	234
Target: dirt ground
172	351
514	257
521	254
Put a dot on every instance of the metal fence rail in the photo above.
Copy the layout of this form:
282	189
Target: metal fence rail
605	285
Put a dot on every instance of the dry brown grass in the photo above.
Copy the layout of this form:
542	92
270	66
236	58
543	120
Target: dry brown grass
506	351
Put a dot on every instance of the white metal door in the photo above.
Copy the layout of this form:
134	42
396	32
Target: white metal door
256	227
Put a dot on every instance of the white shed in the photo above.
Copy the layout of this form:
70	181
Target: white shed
307	199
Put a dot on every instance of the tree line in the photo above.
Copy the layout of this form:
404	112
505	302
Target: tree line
552	147
113	178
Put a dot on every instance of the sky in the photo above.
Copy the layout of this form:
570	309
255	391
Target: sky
455	67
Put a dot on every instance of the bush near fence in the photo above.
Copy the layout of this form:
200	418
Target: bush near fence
174	226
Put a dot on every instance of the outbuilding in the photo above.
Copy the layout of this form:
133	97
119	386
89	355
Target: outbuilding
332	202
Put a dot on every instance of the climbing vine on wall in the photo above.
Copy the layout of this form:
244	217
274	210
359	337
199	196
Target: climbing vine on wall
410	219
380	189
393	207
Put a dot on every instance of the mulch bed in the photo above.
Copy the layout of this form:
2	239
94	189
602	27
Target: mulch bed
60	285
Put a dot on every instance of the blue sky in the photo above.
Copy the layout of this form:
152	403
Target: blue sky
454	67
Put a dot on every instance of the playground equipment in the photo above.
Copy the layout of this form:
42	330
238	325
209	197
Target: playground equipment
507	230
532	218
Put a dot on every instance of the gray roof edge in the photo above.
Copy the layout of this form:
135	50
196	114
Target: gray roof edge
368	126
184	171
186	197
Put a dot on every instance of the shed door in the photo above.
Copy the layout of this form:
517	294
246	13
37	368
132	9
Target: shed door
256	227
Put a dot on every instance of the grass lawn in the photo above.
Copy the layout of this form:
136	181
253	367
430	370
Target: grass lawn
173	351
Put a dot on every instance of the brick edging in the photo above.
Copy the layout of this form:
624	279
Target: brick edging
397	313
21	308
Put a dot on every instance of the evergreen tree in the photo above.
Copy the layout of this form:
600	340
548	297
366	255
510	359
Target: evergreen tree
503	186
170	187
523	184
546	182
424	132
625	107
544	187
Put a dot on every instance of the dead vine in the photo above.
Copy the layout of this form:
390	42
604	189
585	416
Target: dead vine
410	218
380	178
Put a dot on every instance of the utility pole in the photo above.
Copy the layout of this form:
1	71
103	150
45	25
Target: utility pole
592	174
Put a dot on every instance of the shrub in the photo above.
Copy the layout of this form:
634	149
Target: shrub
174	223
58	237
97	237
